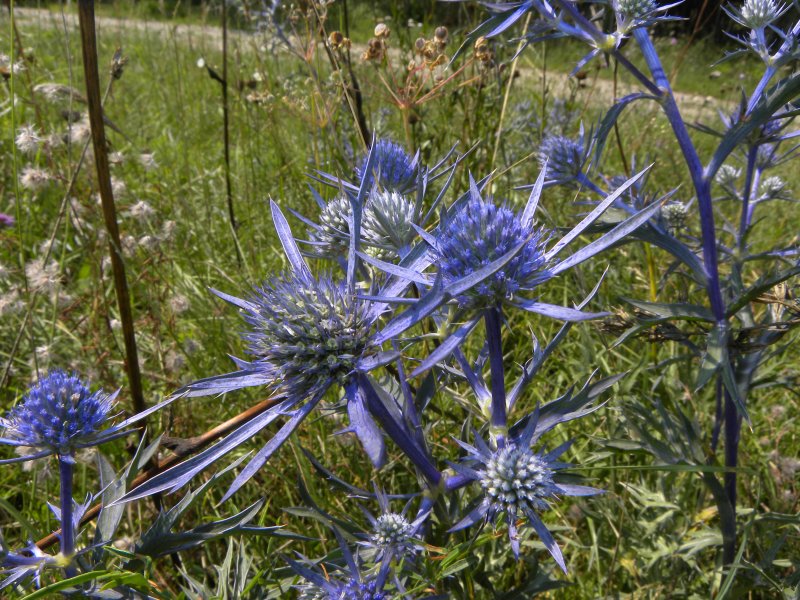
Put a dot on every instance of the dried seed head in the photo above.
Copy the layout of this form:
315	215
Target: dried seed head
34	179
382	31
441	34
28	139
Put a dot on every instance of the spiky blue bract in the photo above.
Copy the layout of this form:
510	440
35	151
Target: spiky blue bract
518	482
393	165
306	333
59	415
482	232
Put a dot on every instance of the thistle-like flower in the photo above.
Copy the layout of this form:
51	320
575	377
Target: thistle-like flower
59	415
728	176
639	13
563	157
34	179
674	215
331	237
388	224
480	233
350	583
773	188
392	534
757	14
394	168
6	220
307	333
519	482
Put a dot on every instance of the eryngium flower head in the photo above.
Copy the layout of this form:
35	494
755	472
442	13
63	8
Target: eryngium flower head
564	157
350	583
6	220
391	530
59	415
772	188
395	168
518	482
482	232
757	14
635	9
331	237
350	590
727	176
387	226
674	214
306	333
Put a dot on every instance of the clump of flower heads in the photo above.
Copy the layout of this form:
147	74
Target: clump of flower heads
395	169
58	415
482	232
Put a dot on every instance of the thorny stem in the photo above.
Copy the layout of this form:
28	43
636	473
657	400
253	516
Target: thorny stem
492	318
92	77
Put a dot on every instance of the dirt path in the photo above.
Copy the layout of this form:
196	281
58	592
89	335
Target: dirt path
595	89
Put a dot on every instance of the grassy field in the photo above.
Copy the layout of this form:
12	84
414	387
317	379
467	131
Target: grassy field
653	535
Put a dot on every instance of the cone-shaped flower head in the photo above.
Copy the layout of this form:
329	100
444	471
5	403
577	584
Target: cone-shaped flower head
757	14
394	167
59	414
351	590
306	333
480	233
392	530
635	9
387	226
516	480
564	157
331	236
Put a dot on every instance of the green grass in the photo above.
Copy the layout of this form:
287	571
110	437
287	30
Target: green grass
651	536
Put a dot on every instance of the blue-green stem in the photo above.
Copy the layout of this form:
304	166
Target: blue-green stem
66	465
493	318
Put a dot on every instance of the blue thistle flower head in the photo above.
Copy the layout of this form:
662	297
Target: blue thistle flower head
757	14
518	482
350	583
393	165
563	157
478	234
58	415
307	333
6	220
